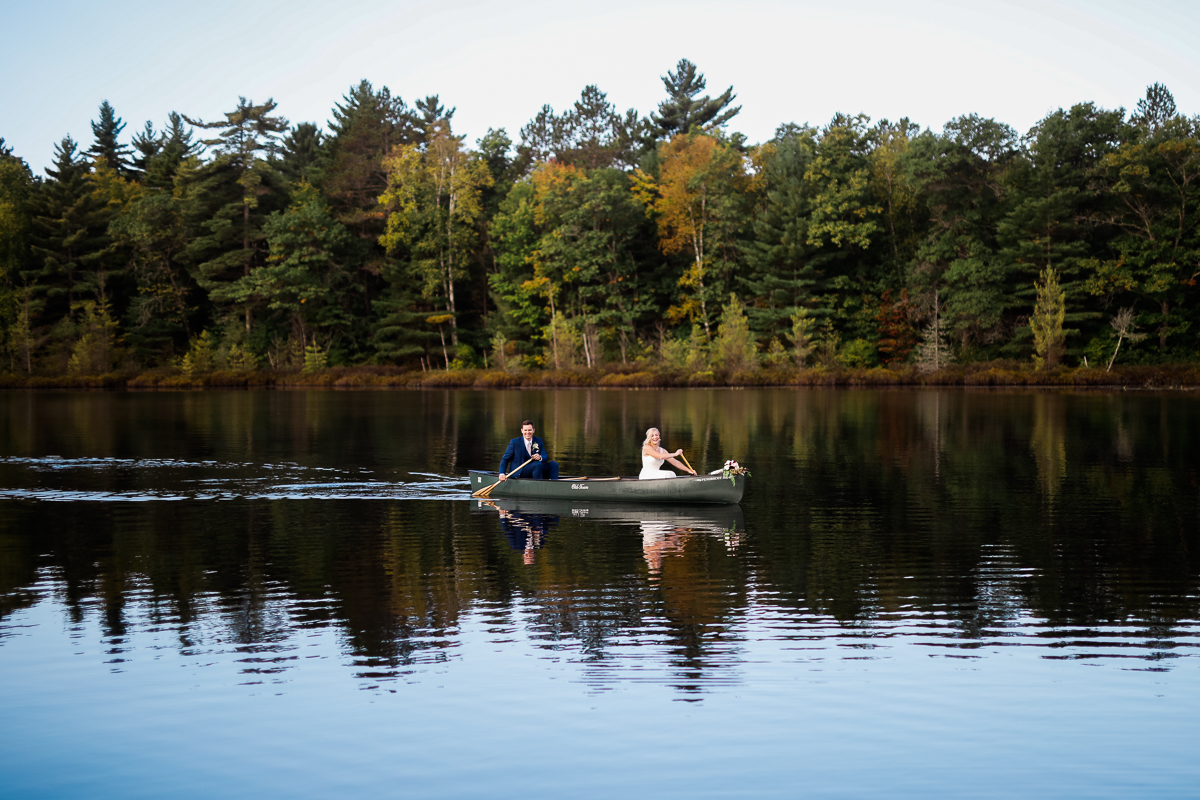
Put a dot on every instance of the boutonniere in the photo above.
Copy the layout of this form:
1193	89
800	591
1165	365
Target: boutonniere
535	447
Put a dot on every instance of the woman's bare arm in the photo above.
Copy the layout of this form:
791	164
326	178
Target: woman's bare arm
680	466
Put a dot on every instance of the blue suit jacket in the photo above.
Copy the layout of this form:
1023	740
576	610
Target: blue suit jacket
515	455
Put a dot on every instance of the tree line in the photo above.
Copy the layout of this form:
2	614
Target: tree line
600	237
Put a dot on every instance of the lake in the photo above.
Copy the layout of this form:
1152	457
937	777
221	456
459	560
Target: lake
291	594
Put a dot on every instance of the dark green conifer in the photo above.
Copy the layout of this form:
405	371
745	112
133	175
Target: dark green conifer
782	273
70	245
235	243
1155	109
683	110
301	152
430	111
106	147
146	145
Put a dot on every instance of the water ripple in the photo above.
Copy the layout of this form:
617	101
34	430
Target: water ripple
57	479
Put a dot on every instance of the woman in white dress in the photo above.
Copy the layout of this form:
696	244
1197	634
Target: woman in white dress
653	456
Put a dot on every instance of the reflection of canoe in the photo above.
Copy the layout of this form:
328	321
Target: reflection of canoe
725	518
684	489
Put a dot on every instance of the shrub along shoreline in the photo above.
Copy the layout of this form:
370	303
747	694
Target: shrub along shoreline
984	374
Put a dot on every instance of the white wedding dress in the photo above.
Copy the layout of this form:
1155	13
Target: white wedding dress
650	469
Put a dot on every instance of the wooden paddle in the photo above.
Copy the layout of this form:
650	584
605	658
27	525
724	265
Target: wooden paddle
487	490
685	461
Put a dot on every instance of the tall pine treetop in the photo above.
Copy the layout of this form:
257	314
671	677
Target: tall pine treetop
683	110
430	112
246	131
1155	109
106	148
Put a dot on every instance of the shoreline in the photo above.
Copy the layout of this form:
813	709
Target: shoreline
1181	377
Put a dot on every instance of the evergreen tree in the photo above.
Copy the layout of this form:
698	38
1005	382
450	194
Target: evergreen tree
305	279
365	128
146	145
1048	224
591	134
934	352
843	223
683	111
16	189
164	154
963	174
300	153
154	233
781	272
1153	186
106	147
1047	320
1154	110
399	334
733	347
69	237
430	113
235	243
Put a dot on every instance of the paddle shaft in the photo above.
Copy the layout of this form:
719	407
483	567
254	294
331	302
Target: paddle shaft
487	490
685	461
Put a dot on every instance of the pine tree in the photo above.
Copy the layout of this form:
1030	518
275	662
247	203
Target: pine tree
106	147
734	346
683	110
934	353
429	113
364	129
177	147
69	235
236	242
305	280
781	266
1155	109
153	231
1047	320
16	189
591	135
300	153
147	144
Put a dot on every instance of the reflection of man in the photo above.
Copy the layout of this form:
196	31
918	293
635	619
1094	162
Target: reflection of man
525	447
526	532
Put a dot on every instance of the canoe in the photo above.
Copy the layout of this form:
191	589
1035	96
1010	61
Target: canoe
683	489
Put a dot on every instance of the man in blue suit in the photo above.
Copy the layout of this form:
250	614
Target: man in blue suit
523	448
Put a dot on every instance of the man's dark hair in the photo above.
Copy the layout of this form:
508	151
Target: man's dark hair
528	422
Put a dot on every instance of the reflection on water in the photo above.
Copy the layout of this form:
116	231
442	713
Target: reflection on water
276	536
1042	518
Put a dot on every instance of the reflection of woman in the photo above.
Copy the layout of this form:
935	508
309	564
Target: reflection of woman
653	456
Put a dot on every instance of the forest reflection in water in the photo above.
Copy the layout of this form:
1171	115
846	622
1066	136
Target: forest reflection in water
954	520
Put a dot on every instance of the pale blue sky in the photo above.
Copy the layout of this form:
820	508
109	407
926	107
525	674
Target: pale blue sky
498	62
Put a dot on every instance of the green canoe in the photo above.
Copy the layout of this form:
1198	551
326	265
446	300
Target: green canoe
683	489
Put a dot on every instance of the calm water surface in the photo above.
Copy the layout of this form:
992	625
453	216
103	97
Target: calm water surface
291	594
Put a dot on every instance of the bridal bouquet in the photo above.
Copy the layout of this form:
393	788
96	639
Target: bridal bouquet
732	468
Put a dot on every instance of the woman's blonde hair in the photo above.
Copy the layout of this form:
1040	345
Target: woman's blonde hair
648	432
